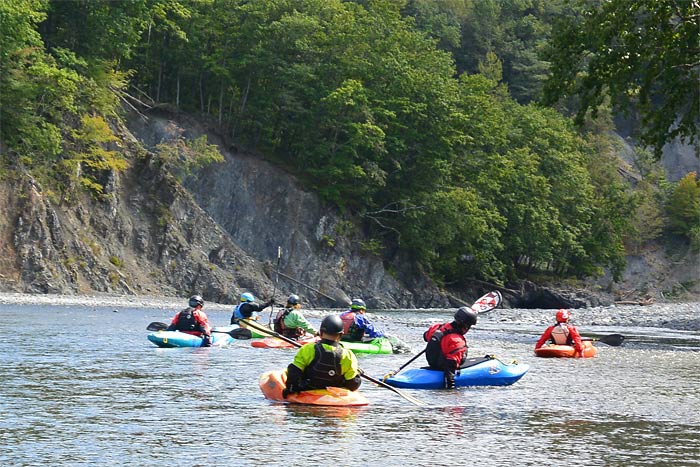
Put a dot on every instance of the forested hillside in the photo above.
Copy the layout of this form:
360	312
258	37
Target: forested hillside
473	136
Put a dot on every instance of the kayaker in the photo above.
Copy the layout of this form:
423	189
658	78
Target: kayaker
447	347
318	365
193	320
290	322
562	333
356	325
248	309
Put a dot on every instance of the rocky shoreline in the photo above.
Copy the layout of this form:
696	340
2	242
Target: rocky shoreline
681	316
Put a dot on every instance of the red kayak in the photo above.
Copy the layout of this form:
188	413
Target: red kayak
566	351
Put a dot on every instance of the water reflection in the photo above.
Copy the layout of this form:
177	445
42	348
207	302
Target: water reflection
87	396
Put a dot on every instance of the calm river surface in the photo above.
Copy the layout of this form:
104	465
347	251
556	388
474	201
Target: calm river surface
81	386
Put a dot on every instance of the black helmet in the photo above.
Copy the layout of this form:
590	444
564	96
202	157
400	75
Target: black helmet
196	300
293	300
332	324
358	304
465	316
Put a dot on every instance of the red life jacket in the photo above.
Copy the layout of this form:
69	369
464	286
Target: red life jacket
280	327
433	350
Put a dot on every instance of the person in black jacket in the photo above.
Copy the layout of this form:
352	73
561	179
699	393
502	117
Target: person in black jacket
248	309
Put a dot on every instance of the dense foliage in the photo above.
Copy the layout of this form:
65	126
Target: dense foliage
642	54
401	113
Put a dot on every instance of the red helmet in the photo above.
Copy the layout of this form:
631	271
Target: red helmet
563	316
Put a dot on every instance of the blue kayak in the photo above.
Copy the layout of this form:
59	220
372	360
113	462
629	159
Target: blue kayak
171	339
480	371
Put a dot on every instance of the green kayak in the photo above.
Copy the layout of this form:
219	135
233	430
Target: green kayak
380	345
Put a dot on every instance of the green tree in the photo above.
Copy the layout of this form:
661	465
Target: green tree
642	54
683	208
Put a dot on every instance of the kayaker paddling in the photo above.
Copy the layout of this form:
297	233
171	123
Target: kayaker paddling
291	323
562	333
447	346
356	324
318	365
193	320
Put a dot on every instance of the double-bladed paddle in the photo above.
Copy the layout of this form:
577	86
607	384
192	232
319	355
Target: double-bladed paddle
408	397
613	340
238	333
484	304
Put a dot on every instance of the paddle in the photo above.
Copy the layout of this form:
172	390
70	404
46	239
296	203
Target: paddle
238	333
613	340
274	290
408	397
484	304
340	296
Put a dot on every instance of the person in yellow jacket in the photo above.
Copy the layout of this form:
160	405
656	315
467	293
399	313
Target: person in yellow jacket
318	365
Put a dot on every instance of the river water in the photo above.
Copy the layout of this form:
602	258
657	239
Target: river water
82	386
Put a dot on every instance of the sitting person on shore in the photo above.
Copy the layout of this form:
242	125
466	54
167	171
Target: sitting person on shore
562	333
193	320
318	365
290	322
356	325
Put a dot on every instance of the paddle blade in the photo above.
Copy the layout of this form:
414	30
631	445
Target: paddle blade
613	340
241	333
156	326
488	302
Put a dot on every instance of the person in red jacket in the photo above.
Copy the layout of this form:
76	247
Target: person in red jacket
562	333
447	347
193	320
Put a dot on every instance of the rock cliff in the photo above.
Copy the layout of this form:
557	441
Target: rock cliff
219	234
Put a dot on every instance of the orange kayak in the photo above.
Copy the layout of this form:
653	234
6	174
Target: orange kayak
272	383
566	351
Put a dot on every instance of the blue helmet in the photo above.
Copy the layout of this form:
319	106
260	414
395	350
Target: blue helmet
247	297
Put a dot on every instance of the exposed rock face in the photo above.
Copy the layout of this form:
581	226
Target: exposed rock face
147	237
262	208
219	236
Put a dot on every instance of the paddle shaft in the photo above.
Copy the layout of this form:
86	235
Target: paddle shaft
409	398
336	299
277	279
238	333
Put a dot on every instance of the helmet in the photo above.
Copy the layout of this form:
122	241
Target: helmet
196	300
358	304
247	297
465	316
293	299
563	316
332	324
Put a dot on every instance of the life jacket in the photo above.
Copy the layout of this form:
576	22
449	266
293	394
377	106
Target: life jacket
560	334
186	322
351	331
324	369
280	327
433	350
